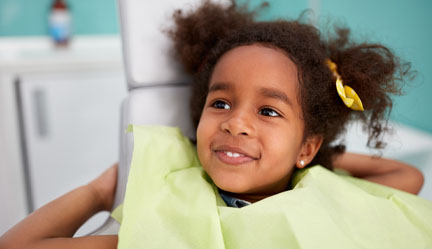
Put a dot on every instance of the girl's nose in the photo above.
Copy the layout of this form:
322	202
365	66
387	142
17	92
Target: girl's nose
238	123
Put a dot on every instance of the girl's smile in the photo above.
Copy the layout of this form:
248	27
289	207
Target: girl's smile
250	134
233	155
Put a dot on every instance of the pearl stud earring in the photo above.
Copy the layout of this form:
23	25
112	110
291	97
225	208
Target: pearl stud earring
302	163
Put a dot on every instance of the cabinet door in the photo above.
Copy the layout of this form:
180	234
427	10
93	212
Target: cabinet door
71	130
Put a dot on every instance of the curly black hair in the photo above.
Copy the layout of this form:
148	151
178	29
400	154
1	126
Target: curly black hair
203	35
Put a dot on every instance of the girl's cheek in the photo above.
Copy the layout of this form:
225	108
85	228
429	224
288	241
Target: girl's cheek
205	120
202	131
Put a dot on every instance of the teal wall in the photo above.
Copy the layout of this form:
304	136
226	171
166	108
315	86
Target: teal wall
404	26
29	17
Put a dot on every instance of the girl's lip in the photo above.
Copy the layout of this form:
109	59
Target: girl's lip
234	149
239	159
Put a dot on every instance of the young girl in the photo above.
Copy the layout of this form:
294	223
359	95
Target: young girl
265	103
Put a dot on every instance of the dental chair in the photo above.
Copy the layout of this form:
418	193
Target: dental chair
159	92
158	88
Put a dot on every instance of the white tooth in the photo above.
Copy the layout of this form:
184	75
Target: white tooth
236	155
233	154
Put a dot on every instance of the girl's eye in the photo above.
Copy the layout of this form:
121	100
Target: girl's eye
219	104
269	112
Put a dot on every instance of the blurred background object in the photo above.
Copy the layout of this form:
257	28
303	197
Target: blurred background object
60	23
59	109
30	18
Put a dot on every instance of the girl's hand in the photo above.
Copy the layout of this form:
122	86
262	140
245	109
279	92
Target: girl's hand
53	225
381	170
104	187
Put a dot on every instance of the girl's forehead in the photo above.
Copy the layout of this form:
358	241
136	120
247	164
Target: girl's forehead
265	52
256	65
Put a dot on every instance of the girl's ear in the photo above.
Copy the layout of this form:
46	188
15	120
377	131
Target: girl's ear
308	151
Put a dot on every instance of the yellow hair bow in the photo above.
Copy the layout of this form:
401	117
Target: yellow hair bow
346	93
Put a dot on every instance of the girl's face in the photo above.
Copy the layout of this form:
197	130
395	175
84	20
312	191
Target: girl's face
250	135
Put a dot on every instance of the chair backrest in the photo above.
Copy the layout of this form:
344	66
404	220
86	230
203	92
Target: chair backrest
146	45
159	90
147	48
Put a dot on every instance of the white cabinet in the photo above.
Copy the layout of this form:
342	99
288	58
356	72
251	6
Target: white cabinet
60	117
71	128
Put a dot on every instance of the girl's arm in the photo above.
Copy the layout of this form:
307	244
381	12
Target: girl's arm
53	225
383	171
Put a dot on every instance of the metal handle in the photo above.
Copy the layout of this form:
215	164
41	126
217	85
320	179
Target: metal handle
40	112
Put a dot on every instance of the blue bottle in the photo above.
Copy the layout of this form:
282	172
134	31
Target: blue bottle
60	23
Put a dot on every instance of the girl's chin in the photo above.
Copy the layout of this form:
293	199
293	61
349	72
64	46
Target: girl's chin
232	187
230	178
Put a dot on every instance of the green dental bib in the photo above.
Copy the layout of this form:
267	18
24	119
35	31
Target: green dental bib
171	203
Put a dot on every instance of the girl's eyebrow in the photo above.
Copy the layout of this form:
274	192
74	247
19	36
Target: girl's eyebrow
275	94
219	86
